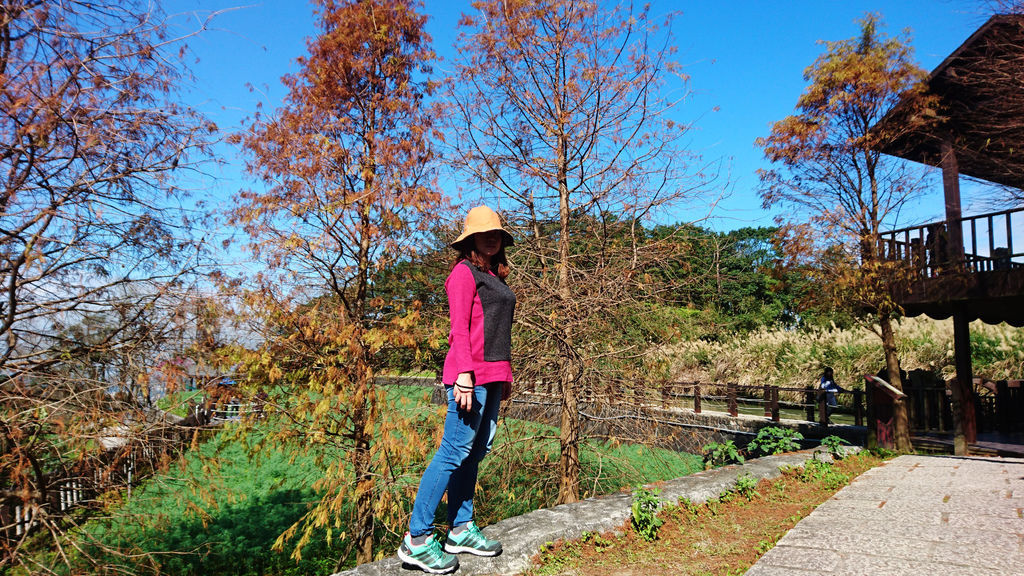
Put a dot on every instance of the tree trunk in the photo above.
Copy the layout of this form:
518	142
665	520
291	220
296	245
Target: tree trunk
901	422
569	438
363	474
362	415
569	434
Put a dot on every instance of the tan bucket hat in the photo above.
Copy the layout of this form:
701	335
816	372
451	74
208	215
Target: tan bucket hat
482	219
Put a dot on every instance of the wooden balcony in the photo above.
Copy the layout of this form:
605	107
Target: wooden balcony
985	277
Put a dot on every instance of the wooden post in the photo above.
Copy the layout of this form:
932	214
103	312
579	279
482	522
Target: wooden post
775	403
938	401
809	402
822	408
965	429
1003	412
767	401
922	403
731	394
696	397
871	439
951	191
858	407
666	393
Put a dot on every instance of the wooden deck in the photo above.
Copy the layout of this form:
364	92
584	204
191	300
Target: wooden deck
985	279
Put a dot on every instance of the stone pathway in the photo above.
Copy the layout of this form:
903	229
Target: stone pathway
926	515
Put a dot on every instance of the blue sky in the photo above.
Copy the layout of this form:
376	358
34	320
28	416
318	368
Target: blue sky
745	60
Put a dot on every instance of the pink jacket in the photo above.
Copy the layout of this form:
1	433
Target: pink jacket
466	337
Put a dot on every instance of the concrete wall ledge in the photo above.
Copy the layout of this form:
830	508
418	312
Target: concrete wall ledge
523	536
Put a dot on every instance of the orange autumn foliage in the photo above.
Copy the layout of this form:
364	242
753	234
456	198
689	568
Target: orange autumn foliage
348	190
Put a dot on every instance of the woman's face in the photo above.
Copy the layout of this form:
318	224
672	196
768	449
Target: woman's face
487	243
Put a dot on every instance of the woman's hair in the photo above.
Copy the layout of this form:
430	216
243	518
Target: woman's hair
467	251
828	372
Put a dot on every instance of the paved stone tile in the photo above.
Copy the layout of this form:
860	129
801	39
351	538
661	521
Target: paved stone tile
864	492
814	559
914	515
996	523
851	543
980	555
769	570
869	565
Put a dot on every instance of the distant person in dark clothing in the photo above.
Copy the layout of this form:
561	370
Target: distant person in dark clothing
938	257
828	384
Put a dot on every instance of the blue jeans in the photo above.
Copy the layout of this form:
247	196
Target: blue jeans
467	439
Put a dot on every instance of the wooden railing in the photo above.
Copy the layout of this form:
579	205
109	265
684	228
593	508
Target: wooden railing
988	244
80	484
809	400
69	488
235	412
930	408
768	401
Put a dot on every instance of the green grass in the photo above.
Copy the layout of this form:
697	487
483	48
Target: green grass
224	511
520	475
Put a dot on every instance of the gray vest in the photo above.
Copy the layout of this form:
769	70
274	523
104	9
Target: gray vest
499	303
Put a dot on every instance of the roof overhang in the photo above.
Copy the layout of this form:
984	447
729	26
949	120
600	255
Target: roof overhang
980	113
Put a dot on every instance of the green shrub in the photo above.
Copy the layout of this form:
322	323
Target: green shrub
746	486
721	454
834	445
645	514
820	471
774	440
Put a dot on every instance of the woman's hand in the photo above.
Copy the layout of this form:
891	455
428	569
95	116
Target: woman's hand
464	391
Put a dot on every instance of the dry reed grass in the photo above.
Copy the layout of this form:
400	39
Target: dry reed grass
795	358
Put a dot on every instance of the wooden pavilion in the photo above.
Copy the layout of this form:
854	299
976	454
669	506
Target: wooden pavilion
967	267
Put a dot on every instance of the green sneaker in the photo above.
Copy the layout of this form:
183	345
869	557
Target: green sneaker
429	557
472	540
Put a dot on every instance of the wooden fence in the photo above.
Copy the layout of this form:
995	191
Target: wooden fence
810	400
79	484
997	410
929	408
728	397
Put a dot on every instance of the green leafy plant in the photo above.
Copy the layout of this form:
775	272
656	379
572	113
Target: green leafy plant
688	507
824	472
834	445
883	453
557	558
645	514
746	486
721	454
774	440
600	542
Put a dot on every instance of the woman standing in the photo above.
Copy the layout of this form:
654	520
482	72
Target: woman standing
477	376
